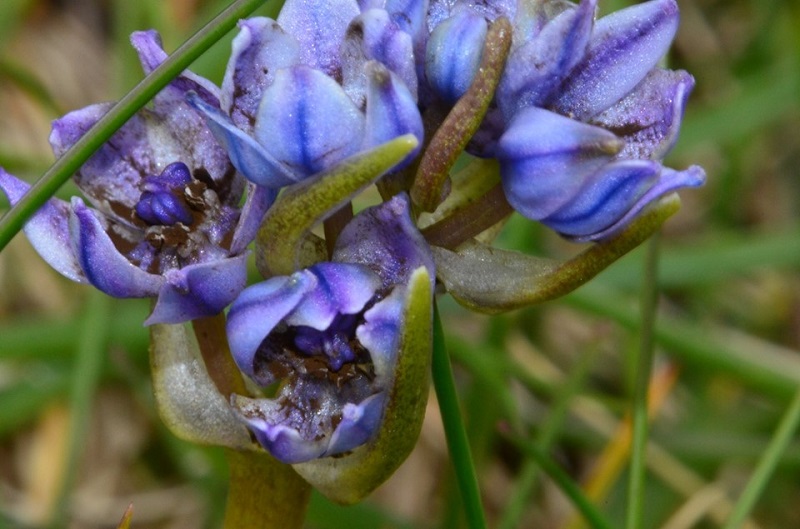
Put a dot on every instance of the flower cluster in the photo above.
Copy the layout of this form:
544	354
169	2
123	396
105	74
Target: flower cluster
573	114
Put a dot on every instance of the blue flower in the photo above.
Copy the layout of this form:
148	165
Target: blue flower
582	115
166	221
322	82
330	334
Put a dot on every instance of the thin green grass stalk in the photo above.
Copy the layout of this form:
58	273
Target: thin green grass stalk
550	428
71	161
91	353
766	466
639	416
456	435
565	483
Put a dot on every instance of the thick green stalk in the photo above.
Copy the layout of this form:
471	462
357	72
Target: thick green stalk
72	160
639	415
264	493
457	442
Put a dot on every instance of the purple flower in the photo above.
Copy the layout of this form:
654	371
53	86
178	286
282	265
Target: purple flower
165	220
322	82
331	335
582	115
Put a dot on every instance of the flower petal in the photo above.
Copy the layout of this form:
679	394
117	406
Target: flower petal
258	309
537	68
339	288
545	159
247	156
259	50
668	181
307	122
385	239
47	230
359	423
199	290
319	27
104	266
374	36
625	46
453	54
649	118
391	110
259	199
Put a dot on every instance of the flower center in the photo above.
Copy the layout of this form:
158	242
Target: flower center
165	199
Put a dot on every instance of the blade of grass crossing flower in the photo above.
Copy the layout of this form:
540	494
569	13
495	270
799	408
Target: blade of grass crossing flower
639	415
455	433
766	466
71	161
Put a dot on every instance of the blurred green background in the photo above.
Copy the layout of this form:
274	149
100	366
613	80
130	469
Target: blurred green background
80	439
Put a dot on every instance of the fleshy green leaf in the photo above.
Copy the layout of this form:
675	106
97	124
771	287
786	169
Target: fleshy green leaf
490	280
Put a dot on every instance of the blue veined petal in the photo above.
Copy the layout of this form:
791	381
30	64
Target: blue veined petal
538	67
649	118
102	264
258	309
258	201
247	156
259	50
374	36
339	288
391	110
625	46
319	27
410	16
47	230
307	122
545	158
453	54
617	195
199	290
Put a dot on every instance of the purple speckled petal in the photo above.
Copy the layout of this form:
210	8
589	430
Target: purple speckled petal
339	288
283	441
307	122
409	15
649	118
385	239
199	290
319	27
391	110
247	156
101	262
47	230
259	50
625	46
453	54
537	68
258	309
668	181
259	199
109	179
374	36
545	158
359	423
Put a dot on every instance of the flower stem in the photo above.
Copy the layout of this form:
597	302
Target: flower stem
72	160
457	442
766	466
264	493
639	415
